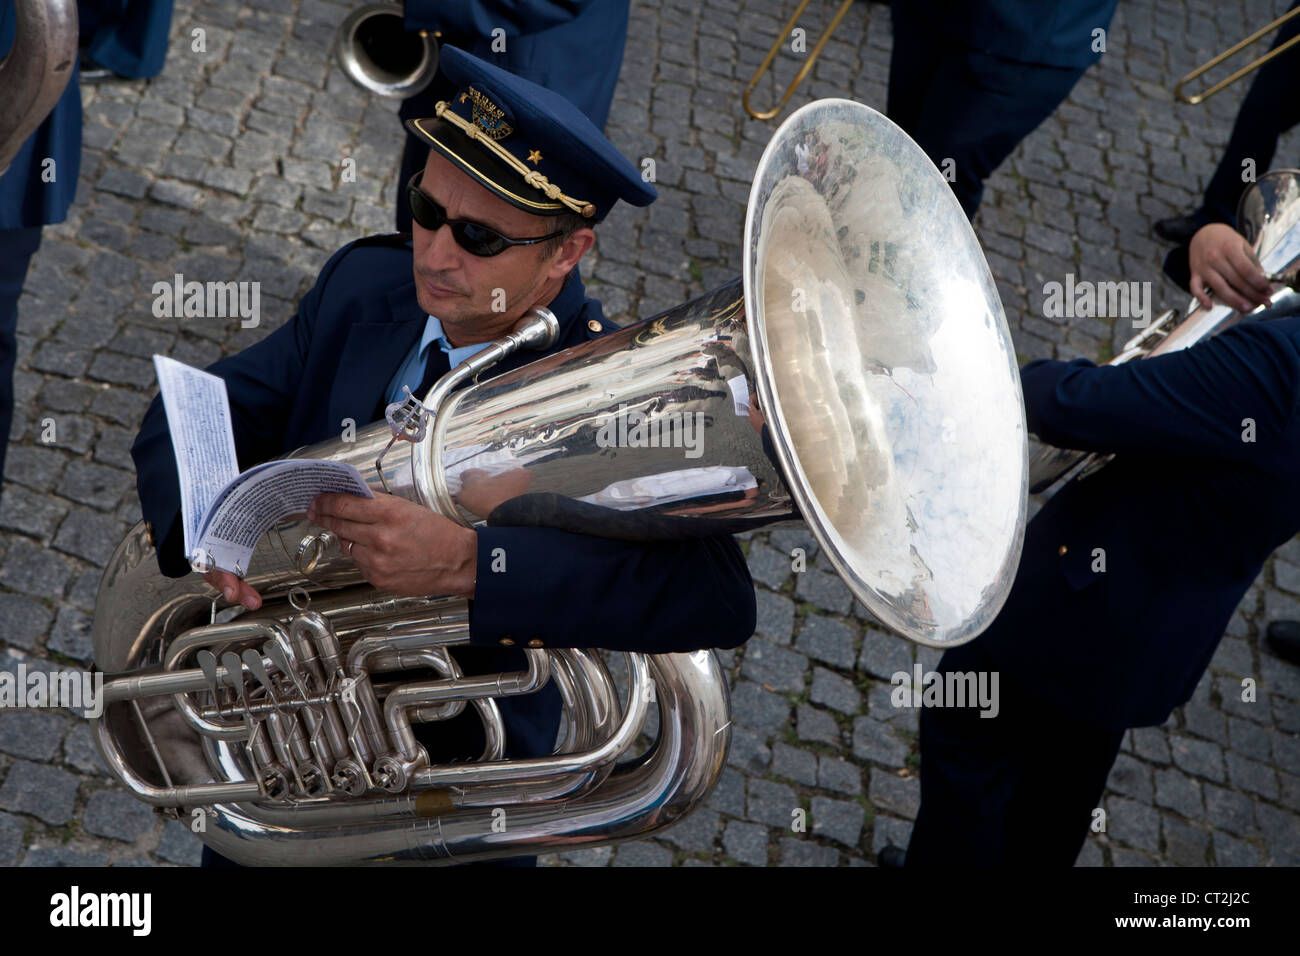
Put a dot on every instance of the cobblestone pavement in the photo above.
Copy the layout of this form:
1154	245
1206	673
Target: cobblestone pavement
226	167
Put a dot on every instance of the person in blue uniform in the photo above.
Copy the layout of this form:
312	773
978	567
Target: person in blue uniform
969	79
1270	109
1118	604
572	47
391	311
36	191
126	37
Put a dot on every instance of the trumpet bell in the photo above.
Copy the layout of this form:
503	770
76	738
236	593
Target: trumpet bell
376	51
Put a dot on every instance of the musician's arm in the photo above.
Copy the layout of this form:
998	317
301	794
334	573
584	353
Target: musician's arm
480	17
1210	400
570	590
261	381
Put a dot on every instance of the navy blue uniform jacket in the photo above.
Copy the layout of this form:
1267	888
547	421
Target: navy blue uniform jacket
335	359
1184	517
1050	32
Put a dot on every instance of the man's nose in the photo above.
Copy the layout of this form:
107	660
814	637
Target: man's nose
441	253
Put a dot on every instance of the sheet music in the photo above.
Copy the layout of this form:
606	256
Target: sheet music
264	495
198	416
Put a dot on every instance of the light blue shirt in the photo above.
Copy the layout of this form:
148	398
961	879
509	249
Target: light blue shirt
412	369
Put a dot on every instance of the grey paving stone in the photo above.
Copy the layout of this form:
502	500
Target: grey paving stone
775	616
758	708
12	830
889	831
642	853
111	813
1133	823
728	795
884	655
64	856
31	570
696	832
825	591
767	566
71	635
1199	757
1233	656
1185	845
1178	792
818	725
840	820
594	856
1252	776
1122	857
900	795
877	742
826	640
1229	851
839	775
745	843
25	620
749	751
34	734
1281	833
1090	855
41	791
79	750
1249	738
774	666
796	852
178	845
771	803
89	535
1151	744
831	690
1230	810
1131	778
794	764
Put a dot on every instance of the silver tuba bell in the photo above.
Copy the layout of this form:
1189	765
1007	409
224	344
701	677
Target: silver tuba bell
376	51
860	372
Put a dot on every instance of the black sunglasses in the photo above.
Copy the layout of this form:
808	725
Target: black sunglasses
474	238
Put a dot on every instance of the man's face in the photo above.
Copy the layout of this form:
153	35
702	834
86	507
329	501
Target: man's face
461	290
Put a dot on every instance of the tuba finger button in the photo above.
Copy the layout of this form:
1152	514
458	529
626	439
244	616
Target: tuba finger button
535	642
507	642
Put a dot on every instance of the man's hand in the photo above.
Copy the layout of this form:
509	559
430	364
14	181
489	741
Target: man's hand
234	588
1221	261
400	546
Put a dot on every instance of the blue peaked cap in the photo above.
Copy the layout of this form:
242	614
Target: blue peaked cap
528	144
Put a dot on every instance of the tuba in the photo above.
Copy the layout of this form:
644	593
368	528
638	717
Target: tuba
860	372
1268	215
34	74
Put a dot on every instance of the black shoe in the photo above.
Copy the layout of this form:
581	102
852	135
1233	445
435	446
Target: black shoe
891	857
1180	229
92	72
1284	640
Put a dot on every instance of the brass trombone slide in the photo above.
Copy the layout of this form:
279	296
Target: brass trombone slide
803	71
1231	51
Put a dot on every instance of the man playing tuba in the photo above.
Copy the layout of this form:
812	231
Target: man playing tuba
503	211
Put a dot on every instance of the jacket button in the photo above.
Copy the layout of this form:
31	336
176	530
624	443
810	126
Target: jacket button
507	642
593	325
1061	551
535	642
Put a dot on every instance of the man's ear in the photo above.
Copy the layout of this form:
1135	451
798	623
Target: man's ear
573	248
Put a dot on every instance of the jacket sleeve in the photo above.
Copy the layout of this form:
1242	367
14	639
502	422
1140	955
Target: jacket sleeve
1230	397
480	17
570	590
262	382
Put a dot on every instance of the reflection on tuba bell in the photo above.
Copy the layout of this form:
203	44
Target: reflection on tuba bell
861	371
376	51
1268	214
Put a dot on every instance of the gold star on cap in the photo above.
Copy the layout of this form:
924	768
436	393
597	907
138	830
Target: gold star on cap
534	156
464	97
